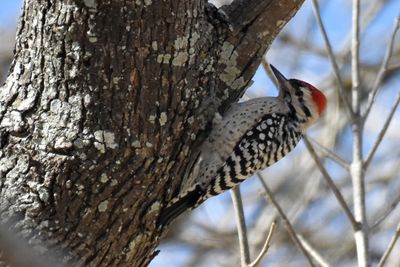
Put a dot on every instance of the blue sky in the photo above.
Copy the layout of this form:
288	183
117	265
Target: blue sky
9	11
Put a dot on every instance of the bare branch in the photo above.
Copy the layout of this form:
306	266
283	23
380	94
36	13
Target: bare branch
303	44
332	58
356	168
370	14
331	184
241	226
265	248
330	154
387	212
268	71
355	57
382	132
394	67
383	69
317	257
390	247
289	227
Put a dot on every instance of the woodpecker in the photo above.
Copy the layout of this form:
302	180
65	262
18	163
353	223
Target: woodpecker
251	135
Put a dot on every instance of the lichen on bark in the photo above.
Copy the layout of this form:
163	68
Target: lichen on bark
103	112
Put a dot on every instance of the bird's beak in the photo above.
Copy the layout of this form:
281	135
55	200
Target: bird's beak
283	83
279	76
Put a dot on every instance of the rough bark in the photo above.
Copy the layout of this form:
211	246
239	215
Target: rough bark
103	109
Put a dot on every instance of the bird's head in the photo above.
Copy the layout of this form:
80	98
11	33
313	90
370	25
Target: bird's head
304	100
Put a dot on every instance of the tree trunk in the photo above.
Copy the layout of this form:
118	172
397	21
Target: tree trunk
103	110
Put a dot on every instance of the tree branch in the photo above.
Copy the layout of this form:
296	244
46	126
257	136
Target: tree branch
313	252
241	13
247	28
330	154
390	247
357	168
330	183
387	212
265	247
241	226
332	58
289	227
382	132
383	69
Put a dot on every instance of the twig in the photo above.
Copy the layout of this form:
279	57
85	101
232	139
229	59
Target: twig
265	247
369	15
382	70
355	57
332	58
390	247
382	132
317	257
241	226
303	44
387	212
394	67
291	231
356	168
268	71
242	232
330	154
331	184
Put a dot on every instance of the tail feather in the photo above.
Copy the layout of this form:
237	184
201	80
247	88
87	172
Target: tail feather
189	201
